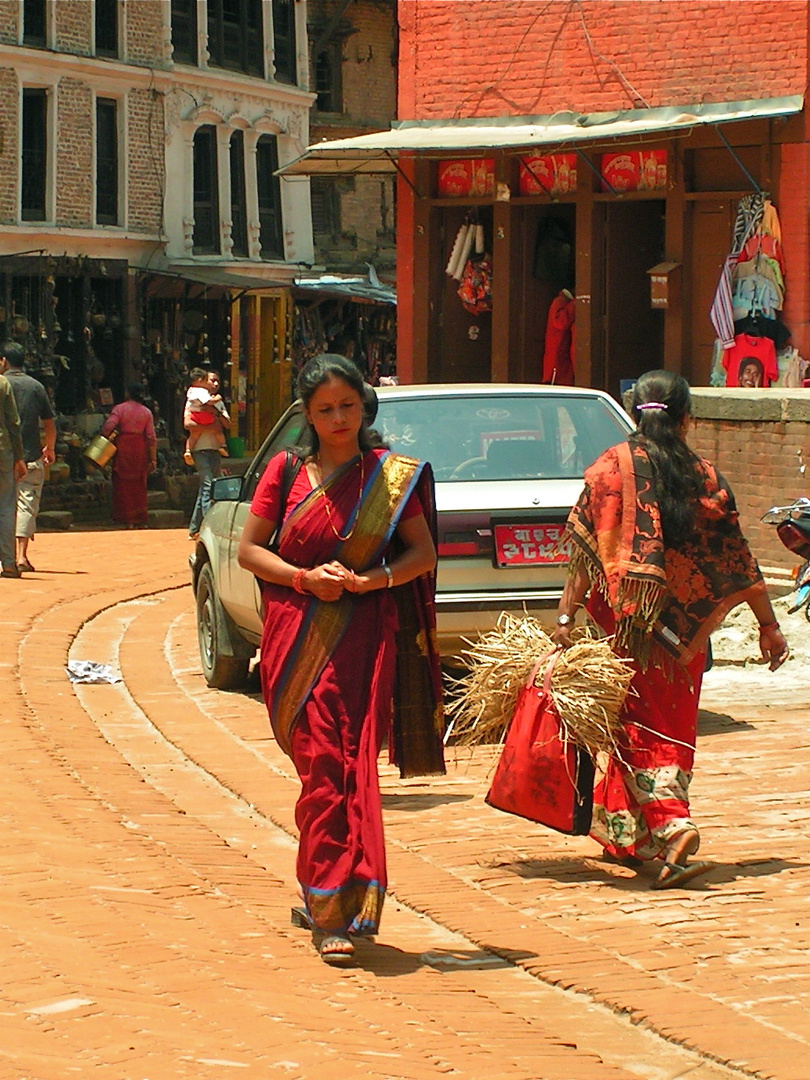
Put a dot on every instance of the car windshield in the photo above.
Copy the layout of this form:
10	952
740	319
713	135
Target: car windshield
501	437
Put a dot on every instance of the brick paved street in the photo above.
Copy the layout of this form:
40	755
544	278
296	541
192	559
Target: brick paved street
148	871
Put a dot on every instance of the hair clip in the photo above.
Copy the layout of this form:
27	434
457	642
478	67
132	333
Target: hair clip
651	405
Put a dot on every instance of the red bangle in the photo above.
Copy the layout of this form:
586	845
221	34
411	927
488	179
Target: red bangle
768	626
298	581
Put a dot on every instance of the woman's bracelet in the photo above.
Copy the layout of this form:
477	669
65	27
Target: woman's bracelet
768	626
298	581
389	573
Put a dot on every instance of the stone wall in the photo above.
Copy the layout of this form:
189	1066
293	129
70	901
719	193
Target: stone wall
760	441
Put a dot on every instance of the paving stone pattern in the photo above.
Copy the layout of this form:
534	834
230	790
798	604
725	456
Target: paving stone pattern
148	871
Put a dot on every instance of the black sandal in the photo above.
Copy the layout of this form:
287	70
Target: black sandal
676	870
300	918
336	950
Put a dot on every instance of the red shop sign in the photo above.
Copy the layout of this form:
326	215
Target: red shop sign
472	176
635	170
554	174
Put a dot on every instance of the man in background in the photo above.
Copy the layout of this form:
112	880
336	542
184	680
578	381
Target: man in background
33	407
12	469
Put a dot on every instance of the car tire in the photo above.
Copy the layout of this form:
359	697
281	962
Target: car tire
222	670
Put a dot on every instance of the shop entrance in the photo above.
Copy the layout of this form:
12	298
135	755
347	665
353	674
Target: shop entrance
632	332
462	349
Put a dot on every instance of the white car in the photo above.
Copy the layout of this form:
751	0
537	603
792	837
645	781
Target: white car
508	461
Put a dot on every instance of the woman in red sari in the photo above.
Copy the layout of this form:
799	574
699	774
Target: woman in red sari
135	457
349	619
656	541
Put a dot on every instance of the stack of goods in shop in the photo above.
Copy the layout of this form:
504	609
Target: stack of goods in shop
747	307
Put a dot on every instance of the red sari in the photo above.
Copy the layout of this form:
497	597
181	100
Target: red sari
659	604
329	673
130	466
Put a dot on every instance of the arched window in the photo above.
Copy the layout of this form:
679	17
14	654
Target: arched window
271	233
238	199
206	195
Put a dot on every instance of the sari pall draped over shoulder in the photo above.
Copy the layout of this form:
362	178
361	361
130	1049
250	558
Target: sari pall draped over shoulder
303	634
665	601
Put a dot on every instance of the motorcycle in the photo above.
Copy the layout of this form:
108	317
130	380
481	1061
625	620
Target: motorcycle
793	529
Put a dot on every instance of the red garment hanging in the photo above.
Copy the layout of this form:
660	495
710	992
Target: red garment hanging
558	355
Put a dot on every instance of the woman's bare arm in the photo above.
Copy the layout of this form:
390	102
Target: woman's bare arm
325	582
574	593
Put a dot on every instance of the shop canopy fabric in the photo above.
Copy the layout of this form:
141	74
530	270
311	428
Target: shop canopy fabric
377	153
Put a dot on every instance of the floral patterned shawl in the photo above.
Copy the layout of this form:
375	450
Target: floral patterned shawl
665	600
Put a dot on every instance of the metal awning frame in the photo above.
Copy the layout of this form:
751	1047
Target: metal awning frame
377	154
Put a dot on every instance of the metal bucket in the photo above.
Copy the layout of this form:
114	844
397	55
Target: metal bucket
100	451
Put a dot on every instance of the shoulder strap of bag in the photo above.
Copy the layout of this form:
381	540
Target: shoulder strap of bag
292	467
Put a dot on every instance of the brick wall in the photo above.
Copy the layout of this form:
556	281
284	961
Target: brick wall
9	13
369	75
146	34
9	141
74	26
146	160
794	185
759	440
368	72
492	57
74	155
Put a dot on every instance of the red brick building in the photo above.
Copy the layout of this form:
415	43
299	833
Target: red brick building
627	129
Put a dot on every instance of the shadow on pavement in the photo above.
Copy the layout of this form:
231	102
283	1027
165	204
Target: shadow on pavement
386	961
421	802
723	873
716	723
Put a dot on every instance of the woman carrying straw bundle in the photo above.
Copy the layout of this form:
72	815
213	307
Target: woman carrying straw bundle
657	548
347	653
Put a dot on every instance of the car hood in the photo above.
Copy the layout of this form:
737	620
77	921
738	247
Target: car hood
506	494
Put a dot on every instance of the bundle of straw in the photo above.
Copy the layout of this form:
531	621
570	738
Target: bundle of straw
588	686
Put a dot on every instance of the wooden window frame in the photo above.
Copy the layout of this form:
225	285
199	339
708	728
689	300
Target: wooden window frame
208	154
268	186
107	162
34	155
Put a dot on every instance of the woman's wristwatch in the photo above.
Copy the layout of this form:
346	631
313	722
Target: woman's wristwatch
564	620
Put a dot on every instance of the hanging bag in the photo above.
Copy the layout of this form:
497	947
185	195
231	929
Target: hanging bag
539	776
475	290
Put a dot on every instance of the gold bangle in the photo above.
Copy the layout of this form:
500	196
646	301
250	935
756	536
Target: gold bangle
389	573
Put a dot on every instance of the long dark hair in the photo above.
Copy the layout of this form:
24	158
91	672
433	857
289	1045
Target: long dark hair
319	370
661	402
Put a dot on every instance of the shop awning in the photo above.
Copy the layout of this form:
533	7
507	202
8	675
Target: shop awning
377	153
193	282
362	289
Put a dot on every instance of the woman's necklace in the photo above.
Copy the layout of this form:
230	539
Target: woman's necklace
350	533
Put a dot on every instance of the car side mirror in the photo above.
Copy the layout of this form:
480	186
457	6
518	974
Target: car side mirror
226	489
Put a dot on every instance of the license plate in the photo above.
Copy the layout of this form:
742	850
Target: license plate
529	545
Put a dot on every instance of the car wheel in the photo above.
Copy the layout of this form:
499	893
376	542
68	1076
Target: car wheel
222	671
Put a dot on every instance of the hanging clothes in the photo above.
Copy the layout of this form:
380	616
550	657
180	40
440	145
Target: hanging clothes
746	347
558	354
750	213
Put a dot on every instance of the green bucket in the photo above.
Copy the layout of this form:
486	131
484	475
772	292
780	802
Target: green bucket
236	446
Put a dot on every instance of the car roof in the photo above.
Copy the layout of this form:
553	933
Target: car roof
487	389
